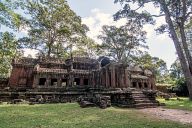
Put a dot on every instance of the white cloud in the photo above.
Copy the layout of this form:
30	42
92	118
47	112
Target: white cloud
159	45
30	52
96	20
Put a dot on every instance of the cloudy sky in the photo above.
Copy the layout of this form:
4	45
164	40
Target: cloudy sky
96	13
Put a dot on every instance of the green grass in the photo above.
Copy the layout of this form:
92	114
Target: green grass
184	103
72	116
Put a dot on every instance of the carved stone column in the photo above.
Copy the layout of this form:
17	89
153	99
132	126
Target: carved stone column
137	85
35	81
107	78
59	82
143	85
113	84
48	81
127	82
81	81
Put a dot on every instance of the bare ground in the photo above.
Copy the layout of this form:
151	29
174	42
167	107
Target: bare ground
181	116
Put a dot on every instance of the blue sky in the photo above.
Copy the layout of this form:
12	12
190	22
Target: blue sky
96	13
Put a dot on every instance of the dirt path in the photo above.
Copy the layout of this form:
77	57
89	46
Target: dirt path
181	116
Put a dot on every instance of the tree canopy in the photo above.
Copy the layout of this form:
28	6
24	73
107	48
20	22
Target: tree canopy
124	42
8	50
53	28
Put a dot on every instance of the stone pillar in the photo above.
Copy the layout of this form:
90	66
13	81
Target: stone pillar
121	81
113	84
59	82
149	85
107	78
137	85
70	80
127	82
103	79
143	85
48	81
81	81
35	81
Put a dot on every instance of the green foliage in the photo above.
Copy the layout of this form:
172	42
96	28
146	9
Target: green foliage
173	103
87	47
72	116
157	65
8	50
123	43
54	29
176	74
8	15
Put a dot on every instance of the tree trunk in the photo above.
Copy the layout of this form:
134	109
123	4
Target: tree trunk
178	47
185	46
49	51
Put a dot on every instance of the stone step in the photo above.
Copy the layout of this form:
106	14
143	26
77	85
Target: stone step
145	101
146	105
142	107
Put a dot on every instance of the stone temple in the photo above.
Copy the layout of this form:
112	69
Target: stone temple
57	80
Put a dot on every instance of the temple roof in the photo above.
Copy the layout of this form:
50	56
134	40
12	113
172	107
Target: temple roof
76	71
139	77
49	70
84	60
25	61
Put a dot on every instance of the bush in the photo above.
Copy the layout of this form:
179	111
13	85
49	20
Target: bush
181	88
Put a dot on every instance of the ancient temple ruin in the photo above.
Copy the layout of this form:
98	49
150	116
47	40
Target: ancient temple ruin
65	80
78	71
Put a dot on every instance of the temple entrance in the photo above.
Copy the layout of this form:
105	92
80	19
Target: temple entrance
77	81
53	82
134	84
145	85
140	85
64	83
42	81
86	81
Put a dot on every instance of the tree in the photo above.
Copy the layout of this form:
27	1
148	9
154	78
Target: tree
176	70
176	74
88	47
177	13
155	64
53	27
8	50
8	15
124	42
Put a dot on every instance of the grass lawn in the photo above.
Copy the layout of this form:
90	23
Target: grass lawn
72	116
173	103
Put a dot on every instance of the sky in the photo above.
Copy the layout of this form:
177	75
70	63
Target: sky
96	13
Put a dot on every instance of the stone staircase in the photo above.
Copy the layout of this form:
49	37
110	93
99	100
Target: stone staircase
142	100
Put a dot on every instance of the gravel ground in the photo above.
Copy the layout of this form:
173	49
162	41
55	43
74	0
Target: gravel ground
181	116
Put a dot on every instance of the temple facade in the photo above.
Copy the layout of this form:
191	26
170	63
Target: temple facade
78	72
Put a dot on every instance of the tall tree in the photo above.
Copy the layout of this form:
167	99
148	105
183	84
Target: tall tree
176	70
124	42
177	14
8	50
53	27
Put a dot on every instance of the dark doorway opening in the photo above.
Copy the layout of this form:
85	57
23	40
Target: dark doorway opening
134	84
86	81
140	85
53	82
77	81
145	85
42	81
64	82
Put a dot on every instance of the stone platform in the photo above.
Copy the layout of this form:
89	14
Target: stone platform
122	97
